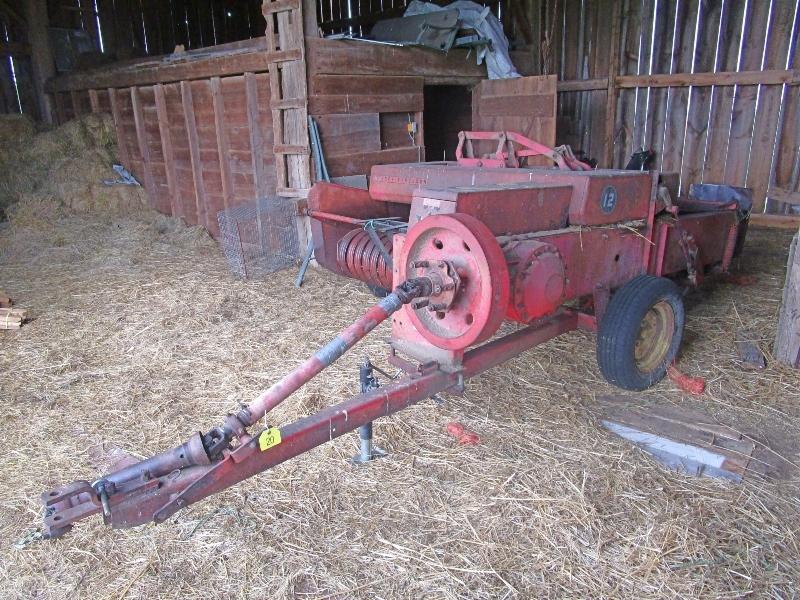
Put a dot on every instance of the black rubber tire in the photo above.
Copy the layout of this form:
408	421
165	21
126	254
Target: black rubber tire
620	326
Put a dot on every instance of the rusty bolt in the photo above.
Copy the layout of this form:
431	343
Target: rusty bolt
437	289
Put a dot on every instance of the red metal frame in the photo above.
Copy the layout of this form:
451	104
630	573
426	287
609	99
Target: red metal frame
458	272
155	498
506	155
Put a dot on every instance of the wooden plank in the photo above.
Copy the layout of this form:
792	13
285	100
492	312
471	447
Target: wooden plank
661	63
223	146
722	96
783	195
700	79
275	6
194	154
76	103
775	221
745	97
521	105
644	66
122	149
705	58
360	163
218	64
94	101
354	104
537	123
364	85
294	77
167	148
256	136
144	149
787	341
604	149
678	97
346	57
770	99
627	63
582	85
347	134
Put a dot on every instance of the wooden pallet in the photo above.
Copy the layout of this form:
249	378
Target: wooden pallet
288	96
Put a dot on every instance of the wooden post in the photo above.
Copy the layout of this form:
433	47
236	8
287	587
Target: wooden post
201	205
41	55
223	146
167	150
310	25
787	342
144	149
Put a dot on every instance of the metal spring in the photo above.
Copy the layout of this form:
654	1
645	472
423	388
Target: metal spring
357	255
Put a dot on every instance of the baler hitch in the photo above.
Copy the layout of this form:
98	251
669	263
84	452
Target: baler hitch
155	488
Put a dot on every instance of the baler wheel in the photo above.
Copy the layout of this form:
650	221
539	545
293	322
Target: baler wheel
641	332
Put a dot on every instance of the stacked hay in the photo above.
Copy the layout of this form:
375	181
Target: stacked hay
62	167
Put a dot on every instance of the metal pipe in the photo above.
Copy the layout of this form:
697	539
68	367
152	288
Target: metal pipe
326	216
332	351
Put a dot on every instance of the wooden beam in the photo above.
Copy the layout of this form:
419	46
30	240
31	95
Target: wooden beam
144	149
310	21
256	135
167	149
215	64
94	101
122	148
201	206
787	341
782	195
223	145
770	77
582	85
42	63
774	221
76	105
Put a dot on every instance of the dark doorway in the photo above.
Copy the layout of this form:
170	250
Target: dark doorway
448	110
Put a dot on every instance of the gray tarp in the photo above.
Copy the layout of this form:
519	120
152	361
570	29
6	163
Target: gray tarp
479	18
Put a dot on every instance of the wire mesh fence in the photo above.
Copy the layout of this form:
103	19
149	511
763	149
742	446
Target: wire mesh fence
260	237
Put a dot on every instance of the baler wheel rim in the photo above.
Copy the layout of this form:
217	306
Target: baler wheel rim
628	357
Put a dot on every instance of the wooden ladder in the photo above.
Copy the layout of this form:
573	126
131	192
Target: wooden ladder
288	96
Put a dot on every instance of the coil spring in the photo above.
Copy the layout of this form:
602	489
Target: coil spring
358	256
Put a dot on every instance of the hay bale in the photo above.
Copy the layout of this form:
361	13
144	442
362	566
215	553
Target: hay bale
66	164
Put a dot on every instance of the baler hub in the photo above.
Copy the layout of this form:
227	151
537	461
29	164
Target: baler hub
462	258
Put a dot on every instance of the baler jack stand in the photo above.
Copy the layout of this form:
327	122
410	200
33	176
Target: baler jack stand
367	451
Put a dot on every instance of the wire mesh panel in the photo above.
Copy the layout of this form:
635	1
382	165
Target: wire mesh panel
260	237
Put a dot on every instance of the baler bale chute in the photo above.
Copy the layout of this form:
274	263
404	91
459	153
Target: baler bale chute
458	248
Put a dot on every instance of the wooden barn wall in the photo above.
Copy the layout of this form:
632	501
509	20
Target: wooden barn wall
198	146
125	29
710	85
356	17
17	91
